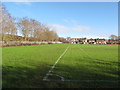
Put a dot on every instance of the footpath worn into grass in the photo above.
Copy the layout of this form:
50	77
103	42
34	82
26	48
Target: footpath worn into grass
26	66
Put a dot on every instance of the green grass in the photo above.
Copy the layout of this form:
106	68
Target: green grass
91	63
26	66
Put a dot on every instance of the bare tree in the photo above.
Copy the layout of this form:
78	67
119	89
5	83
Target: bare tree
30	29
7	23
36	30
62	39
50	35
24	27
12	29
4	20
53	36
114	37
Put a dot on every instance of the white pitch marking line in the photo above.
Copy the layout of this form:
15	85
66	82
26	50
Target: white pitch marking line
88	80
62	78
85	53
46	76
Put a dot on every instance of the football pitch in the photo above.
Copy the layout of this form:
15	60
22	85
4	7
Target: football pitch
60	65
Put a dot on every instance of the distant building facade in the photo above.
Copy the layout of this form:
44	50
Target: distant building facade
91	41
94	41
79	40
68	38
101	41
112	41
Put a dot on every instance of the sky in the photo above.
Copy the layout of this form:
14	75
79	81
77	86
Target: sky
71	19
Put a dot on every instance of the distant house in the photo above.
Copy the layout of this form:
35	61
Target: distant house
79	40
113	41
68	38
74	40
91	41
94	41
97	41
101	41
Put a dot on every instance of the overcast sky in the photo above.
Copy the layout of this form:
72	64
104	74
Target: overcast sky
80	19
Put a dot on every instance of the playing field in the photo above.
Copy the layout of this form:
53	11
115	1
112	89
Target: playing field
60	65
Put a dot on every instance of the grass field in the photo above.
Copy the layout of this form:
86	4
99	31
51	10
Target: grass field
80	66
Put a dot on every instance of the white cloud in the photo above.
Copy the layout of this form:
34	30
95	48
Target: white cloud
59	28
70	21
81	28
26	3
62	28
76	25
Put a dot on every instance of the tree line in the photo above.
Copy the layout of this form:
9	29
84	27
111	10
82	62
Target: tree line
27	29
24	29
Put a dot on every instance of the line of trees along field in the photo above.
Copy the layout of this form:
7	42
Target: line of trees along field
23	29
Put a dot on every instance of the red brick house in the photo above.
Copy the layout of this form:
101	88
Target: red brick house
101	41
79	40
